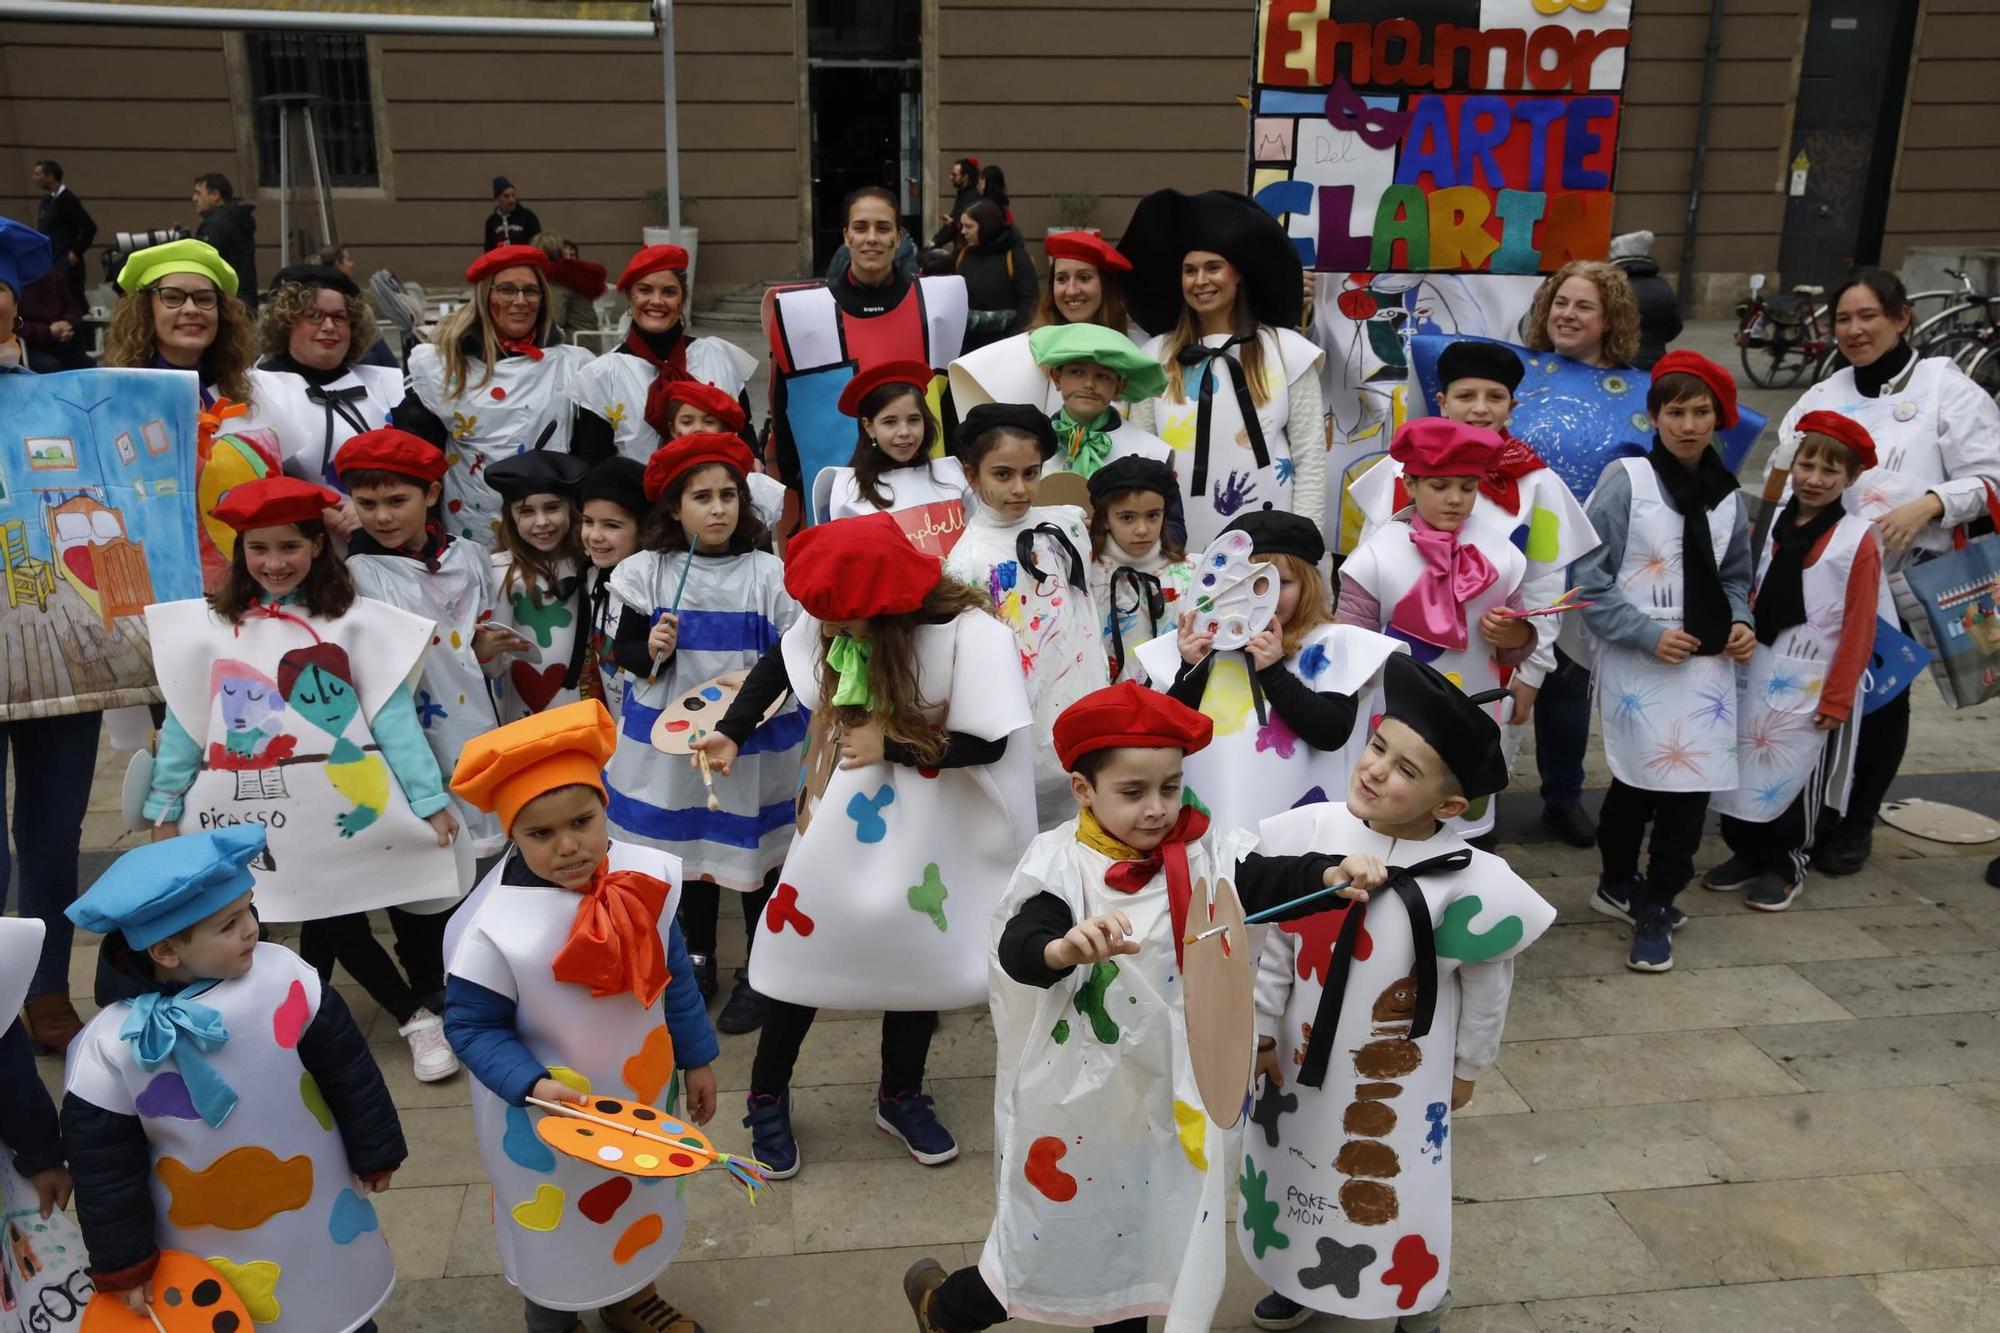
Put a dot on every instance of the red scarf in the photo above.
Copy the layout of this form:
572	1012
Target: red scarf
673	366
1132	876
527	349
614	944
1515	461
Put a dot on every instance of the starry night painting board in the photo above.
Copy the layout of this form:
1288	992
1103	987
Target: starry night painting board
97	519
1432	160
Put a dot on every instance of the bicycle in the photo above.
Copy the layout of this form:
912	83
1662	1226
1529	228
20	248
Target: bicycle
1783	337
1971	312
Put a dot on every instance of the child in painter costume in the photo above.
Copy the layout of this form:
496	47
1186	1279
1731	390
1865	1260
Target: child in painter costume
1427	579
677	407
1818	594
613	507
1094	1058
34	1182
1284	705
1092	368
569	977
1670	589
702	602
894	467
537	582
223	1101
1139	572
291	703
1370	1036
1030	561
403	556
886	894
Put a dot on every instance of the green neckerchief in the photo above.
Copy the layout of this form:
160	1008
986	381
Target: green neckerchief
1087	445
849	656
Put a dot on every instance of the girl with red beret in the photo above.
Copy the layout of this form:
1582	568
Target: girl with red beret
538	607
895	467
690	407
700	601
339	775
1080	287
613	508
887	897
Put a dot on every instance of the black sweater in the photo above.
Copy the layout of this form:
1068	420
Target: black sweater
1321	720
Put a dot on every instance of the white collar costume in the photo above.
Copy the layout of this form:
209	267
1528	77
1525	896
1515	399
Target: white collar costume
311	422
931	499
887	898
341	835
614	387
1045	600
552	621
1346	1180
524	405
1126	606
1003	372
1076	1241
267	1196
1127	441
454	701
733	609
571	1235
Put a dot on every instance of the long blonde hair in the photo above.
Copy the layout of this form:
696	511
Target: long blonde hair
129	342
1187	333
1621	309
456	328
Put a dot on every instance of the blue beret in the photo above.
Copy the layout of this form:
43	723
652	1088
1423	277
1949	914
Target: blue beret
24	255
161	888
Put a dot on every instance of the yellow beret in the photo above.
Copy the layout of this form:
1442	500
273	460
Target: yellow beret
146	267
508	767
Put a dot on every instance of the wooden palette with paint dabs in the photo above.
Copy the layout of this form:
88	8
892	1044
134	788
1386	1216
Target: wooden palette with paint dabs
693	716
629	1138
189	1296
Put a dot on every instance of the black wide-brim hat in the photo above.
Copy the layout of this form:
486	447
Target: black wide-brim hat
1167	224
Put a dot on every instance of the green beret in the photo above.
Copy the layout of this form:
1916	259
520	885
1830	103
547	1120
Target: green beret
145	267
1066	344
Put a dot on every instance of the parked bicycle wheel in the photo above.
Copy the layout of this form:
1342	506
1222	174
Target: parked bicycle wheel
1773	354
1984	368
1962	346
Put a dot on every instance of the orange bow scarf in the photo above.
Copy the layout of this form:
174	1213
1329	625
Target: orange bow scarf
614	944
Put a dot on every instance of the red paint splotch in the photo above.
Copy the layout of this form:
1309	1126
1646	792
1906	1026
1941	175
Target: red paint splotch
1043	1173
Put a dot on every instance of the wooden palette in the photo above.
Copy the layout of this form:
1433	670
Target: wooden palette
1934	821
189	1296
822	757
1220	974
693	717
625	1137
1065	488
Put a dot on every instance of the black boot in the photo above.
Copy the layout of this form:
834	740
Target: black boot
1571	824
704	975
744	1011
1847	849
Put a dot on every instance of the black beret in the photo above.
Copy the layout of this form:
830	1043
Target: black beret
1167	224
1275	532
1452	722
316	275
537	472
1029	421
1480	359
620	480
1133	472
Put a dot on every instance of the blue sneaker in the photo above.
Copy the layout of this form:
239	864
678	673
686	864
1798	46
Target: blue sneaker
912	1117
771	1141
1652	942
1279	1311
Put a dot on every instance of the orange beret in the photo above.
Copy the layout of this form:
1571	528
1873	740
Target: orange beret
387	449
507	256
1129	714
858	568
270	502
677	457
651	260
508	767
664	393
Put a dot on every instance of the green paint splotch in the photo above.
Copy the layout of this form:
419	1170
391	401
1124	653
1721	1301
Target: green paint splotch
1060	1032
1090	1003
1260	1214
1455	937
928	897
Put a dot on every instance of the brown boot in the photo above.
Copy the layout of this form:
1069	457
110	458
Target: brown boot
645	1312
920	1285
51	1022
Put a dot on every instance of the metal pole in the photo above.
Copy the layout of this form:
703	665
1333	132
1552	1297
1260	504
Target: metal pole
1710	56
315	20
284	184
319	176
663	17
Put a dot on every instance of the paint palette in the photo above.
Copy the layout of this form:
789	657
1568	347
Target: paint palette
1065	488
1234	596
189	1296
1219	973
693	716
628	1137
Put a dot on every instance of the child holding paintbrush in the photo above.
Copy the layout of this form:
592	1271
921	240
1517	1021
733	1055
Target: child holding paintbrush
700	601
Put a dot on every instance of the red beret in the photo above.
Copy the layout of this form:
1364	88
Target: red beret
651	260
676	457
1129	714
390	450
270	502
507	256
664	393
1835	427
870	378
857	569
1721	385
1441	447
1087	248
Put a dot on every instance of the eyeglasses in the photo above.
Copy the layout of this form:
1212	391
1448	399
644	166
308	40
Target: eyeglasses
173	298
510	294
340	319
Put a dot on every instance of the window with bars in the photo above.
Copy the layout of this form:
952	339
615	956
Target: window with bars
329	73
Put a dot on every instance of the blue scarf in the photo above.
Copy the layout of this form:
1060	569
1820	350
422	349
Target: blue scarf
173	1027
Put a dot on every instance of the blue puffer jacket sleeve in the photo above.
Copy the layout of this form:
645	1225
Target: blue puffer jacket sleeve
336	1054
112	1169
27	1113
479	1024
687	1017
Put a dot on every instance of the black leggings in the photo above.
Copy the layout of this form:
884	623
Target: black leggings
1885	734
350	941
701	905
906	1046
1676	817
965	1304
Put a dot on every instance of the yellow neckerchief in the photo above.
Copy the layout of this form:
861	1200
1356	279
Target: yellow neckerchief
1092	835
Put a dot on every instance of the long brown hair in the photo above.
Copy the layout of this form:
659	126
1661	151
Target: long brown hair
661	531
1100	526
327	591
870	460
461	323
1187	333
1111	312
129	342
1311	611
894	678
533	569
1621	309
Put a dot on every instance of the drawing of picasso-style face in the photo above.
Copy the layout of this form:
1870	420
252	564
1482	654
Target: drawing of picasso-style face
246	696
318	683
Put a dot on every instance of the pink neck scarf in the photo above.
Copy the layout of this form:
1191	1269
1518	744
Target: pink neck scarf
1454	573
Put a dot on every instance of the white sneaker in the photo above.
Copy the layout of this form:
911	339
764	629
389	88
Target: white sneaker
430	1053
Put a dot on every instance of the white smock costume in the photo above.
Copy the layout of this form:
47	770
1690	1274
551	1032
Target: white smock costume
453	700
1666	728
525	404
1251	770
1346	1187
1222	475
614	387
340	834
1046	602
732	611
312	421
1112	1178
1123	589
551	619
1388	564
931	499
571	1235
268	1196
887	898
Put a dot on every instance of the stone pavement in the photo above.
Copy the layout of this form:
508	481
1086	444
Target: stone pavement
1795	1131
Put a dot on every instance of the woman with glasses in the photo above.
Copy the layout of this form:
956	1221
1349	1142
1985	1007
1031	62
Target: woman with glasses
312	387
490	385
180	312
